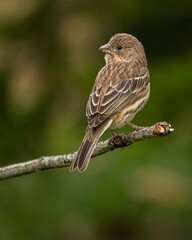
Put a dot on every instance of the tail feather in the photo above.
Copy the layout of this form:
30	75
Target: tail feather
85	151
85	155
87	147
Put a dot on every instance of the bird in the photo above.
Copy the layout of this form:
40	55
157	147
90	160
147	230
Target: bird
120	91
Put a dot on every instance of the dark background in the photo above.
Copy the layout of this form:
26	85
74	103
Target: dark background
48	64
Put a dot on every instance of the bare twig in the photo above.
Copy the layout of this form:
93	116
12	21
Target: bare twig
49	162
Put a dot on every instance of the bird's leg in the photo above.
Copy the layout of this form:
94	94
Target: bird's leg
116	140
112	133
136	128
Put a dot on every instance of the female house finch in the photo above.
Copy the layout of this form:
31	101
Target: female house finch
121	89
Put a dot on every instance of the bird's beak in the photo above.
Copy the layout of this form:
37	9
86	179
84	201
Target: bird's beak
105	48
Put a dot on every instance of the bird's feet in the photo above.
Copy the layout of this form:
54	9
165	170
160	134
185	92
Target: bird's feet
116	140
112	133
136	128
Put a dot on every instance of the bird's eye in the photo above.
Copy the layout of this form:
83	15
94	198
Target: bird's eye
119	47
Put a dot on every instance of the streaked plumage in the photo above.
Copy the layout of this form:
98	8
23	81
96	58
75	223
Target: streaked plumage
121	89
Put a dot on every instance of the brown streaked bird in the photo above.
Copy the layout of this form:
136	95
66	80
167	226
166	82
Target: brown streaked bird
121	89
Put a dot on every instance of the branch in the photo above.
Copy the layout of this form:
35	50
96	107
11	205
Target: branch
119	141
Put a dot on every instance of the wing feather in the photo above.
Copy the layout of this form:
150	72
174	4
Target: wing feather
105	100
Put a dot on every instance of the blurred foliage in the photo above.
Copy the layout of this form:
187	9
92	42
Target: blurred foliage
48	63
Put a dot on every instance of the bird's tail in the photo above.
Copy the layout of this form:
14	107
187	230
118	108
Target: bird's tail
85	151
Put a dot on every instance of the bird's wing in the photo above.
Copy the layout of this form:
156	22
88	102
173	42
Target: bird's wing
122	90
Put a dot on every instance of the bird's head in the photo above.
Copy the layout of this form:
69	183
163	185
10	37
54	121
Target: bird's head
123	47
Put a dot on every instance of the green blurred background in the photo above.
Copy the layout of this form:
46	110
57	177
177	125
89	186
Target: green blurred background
48	64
